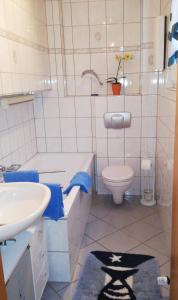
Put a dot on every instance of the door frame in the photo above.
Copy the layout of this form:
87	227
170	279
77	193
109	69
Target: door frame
174	245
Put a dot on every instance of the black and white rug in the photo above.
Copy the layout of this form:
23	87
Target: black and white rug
118	276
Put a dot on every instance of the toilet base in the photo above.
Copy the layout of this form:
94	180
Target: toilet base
118	197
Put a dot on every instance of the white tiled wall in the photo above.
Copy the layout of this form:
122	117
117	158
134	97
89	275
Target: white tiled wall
24	67
165	143
67	118
17	134
75	124
24	61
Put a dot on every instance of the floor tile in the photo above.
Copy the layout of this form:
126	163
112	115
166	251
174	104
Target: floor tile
85	251
119	219
91	219
140	212
165	269
165	293
141	231
101	206
49	294
57	286
98	229
68	292
86	241
159	243
119	242
143	249
154	220
77	272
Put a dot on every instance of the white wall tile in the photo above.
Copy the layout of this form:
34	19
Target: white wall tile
135	164
132	34
114	11
115	104
52	127
68	127
101	131
101	147
149	83
84	144
97	13
132	147
151	8
100	106
116	147
68	38
149	127
53	144
40	127
67	107
41	145
133	105
57	36
98	63
69	64
66	11
135	129
83	127
148	29
132	10
69	145
83	106
115	35
82	63
51	108
79	18
149	106
81	37
98	36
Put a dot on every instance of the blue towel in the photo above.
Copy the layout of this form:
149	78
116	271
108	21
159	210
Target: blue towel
21	176
55	209
82	179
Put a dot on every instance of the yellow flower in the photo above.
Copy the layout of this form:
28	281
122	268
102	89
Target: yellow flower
118	57
128	56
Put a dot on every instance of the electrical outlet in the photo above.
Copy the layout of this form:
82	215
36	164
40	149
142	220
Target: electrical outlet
163	280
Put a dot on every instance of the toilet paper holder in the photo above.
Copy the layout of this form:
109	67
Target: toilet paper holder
117	120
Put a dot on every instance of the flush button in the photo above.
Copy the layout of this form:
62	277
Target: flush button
118	120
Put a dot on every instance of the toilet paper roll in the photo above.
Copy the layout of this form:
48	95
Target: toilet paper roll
146	164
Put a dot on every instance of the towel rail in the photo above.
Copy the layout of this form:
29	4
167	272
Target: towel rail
16	99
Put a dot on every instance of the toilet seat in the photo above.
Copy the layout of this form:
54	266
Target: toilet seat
117	173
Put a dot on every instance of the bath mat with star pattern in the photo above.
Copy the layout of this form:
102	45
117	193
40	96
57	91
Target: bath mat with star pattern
118	276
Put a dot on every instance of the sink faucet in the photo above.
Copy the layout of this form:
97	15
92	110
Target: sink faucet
12	168
2	169
92	74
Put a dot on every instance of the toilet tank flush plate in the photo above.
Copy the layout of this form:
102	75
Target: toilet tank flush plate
115	120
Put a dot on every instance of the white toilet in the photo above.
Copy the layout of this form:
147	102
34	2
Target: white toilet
117	180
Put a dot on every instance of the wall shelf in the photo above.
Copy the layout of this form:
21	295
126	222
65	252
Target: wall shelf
16	99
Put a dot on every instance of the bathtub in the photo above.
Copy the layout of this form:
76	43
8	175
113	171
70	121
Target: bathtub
64	237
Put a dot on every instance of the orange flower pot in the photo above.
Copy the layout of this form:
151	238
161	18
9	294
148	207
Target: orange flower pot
116	88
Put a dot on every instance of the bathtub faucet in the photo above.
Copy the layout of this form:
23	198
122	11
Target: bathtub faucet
92	74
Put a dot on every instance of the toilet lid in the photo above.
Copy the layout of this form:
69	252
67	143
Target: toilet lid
117	173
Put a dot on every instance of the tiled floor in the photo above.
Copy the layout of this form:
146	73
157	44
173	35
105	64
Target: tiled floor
129	227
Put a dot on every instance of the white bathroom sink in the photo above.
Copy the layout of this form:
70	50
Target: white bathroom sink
21	204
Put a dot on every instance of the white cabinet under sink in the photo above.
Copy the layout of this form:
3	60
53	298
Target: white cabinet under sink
20	284
39	259
25	264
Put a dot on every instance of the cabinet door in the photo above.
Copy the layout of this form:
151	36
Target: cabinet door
25	279
12	288
20	285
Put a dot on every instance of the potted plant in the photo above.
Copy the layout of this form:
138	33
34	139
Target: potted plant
116	84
